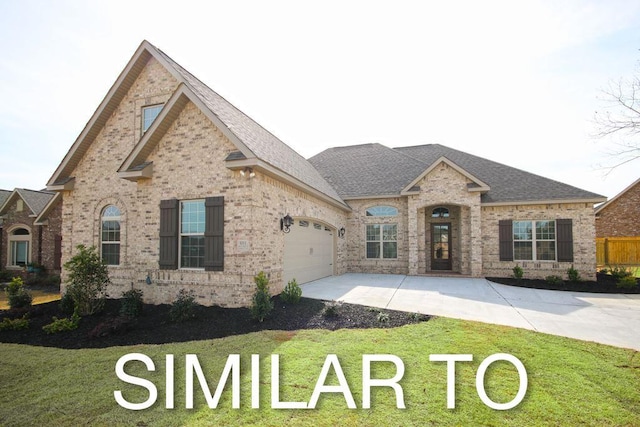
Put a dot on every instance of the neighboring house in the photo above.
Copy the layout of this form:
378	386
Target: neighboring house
31	226
180	189
618	228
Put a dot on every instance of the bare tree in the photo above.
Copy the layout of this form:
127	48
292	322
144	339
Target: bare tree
621	119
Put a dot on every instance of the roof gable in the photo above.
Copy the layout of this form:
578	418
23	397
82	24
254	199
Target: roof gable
475	185
603	206
36	201
254	142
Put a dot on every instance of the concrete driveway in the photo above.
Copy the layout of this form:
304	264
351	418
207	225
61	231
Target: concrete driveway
604	318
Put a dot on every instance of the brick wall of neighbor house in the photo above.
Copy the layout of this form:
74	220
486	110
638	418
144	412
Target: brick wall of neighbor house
621	218
356	258
446	187
52	229
584	249
188	163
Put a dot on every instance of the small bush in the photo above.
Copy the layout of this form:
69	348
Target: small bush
184	307
14	324
292	292
620	272
16	294
383	317
62	325
131	304
87	281
331	309
554	280
518	272
112	326
261	304
627	282
66	304
573	275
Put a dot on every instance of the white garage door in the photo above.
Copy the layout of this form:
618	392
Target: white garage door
308	252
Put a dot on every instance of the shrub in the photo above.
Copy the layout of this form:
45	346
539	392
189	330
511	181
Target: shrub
113	325
383	317
620	272
17	295
554	280
66	304
14	324
261	304
292	292
627	282
184	307
331	309
88	278
573	275
518	272
64	324
131	304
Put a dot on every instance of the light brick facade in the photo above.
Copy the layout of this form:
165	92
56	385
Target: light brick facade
191	161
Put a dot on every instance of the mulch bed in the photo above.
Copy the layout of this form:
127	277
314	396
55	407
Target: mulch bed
155	327
605	284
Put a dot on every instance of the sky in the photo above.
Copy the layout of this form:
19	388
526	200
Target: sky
514	82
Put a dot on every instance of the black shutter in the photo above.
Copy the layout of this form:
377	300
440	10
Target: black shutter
169	226
214	234
564	240
505	232
57	252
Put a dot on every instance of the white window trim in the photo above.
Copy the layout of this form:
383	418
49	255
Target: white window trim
534	239
381	240
181	234
20	238
145	108
119	242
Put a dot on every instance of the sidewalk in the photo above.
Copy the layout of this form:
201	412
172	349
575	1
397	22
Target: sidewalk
603	318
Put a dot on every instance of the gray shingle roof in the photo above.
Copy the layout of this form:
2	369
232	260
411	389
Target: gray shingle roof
4	195
375	170
36	200
264	145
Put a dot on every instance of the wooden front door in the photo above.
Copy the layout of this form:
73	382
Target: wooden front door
441	246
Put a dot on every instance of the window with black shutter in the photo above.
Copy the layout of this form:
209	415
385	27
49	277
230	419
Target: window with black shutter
505	231
214	234
565	240
169	234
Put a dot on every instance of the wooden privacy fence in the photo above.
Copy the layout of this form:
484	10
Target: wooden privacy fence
614	251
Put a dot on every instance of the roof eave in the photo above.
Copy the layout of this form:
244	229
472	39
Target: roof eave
545	202
479	186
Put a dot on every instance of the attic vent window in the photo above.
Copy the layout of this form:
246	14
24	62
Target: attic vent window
149	114
440	213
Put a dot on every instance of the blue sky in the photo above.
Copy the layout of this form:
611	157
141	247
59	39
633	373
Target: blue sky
515	82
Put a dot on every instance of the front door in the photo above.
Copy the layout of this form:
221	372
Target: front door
441	246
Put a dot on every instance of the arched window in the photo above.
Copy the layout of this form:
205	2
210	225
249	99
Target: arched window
440	213
110	235
382	211
19	244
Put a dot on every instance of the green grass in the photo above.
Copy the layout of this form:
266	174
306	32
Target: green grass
570	382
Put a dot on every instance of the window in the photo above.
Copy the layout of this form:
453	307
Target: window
440	213
192	227
110	235
192	234
382	241
382	211
534	240
19	242
149	114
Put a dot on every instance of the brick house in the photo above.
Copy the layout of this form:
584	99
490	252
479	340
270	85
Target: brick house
618	228
31	229
620	216
180	189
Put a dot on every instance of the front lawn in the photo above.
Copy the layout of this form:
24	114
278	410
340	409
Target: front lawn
570	382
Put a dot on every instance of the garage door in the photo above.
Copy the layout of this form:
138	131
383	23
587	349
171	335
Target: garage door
308	252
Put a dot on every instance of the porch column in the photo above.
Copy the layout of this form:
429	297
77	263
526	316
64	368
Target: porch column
412	235
476	240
